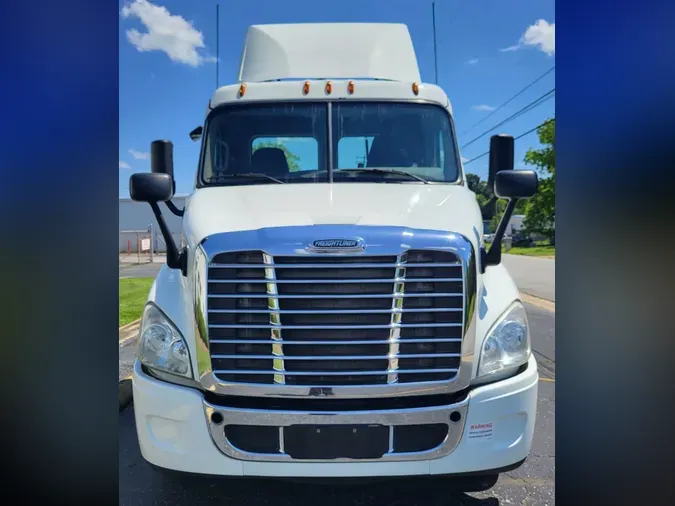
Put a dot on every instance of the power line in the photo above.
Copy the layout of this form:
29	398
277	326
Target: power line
511	99
535	103
515	139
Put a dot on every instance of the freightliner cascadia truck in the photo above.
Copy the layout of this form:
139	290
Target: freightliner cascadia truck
331	310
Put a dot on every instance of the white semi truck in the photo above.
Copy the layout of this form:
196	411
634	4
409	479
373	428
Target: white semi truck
327	314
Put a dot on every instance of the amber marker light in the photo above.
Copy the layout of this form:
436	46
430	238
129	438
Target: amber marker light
350	87
415	88
329	87
305	88
242	90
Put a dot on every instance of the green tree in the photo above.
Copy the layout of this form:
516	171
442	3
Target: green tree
292	159
477	186
483	196
540	209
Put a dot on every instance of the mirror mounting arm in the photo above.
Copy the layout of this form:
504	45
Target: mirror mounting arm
172	207
174	258
494	255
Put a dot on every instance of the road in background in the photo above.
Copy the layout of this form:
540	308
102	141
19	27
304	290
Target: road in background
534	276
531	484
146	270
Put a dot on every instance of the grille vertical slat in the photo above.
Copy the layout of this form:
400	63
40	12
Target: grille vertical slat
335	320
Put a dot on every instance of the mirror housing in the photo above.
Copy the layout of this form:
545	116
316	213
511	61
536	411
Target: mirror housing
150	187
161	157
501	156
196	134
516	184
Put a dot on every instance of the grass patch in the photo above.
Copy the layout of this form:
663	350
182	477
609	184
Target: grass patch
133	296
535	251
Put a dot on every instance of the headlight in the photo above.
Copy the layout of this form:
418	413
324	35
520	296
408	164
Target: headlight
507	346
161	346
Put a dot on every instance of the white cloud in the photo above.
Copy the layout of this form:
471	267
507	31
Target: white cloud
483	108
473	61
166	32
124	165
540	35
139	155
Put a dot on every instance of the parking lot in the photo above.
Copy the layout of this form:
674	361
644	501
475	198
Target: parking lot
531	484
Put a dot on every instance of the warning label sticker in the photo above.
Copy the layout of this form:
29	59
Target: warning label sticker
480	431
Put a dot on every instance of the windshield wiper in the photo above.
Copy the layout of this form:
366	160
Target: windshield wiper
251	175
385	171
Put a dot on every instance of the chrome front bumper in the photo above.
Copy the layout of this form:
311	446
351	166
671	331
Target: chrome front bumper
390	418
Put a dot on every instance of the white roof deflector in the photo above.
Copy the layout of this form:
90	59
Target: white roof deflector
329	50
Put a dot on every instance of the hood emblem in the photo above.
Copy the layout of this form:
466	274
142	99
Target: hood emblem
336	245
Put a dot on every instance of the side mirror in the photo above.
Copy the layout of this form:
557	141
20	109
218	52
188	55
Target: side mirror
161	157
509	184
501	156
196	134
516	184
151	187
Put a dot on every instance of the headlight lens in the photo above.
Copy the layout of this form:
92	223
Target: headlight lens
161	346
507	346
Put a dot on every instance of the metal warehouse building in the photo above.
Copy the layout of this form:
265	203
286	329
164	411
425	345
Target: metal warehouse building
136	222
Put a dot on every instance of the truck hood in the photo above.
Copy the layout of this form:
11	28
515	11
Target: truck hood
238	208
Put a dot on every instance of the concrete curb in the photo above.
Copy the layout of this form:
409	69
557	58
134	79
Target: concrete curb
548	305
130	331
124	327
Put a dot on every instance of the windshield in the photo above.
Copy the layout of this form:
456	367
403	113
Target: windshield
290	143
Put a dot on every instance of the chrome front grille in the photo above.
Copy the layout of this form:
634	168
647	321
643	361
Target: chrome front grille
333	320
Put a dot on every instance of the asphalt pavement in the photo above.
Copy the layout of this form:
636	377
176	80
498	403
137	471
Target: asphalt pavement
531	484
533	275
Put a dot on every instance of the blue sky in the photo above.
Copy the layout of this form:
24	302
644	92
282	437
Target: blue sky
488	50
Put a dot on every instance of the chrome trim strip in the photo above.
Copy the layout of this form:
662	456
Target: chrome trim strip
312	296
275	320
336	342
332	281
200	273
338	357
382	241
391	418
396	318
333	373
343	311
331	327
330	266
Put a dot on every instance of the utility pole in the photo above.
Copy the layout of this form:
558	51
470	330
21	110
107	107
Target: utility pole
217	44
433	19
